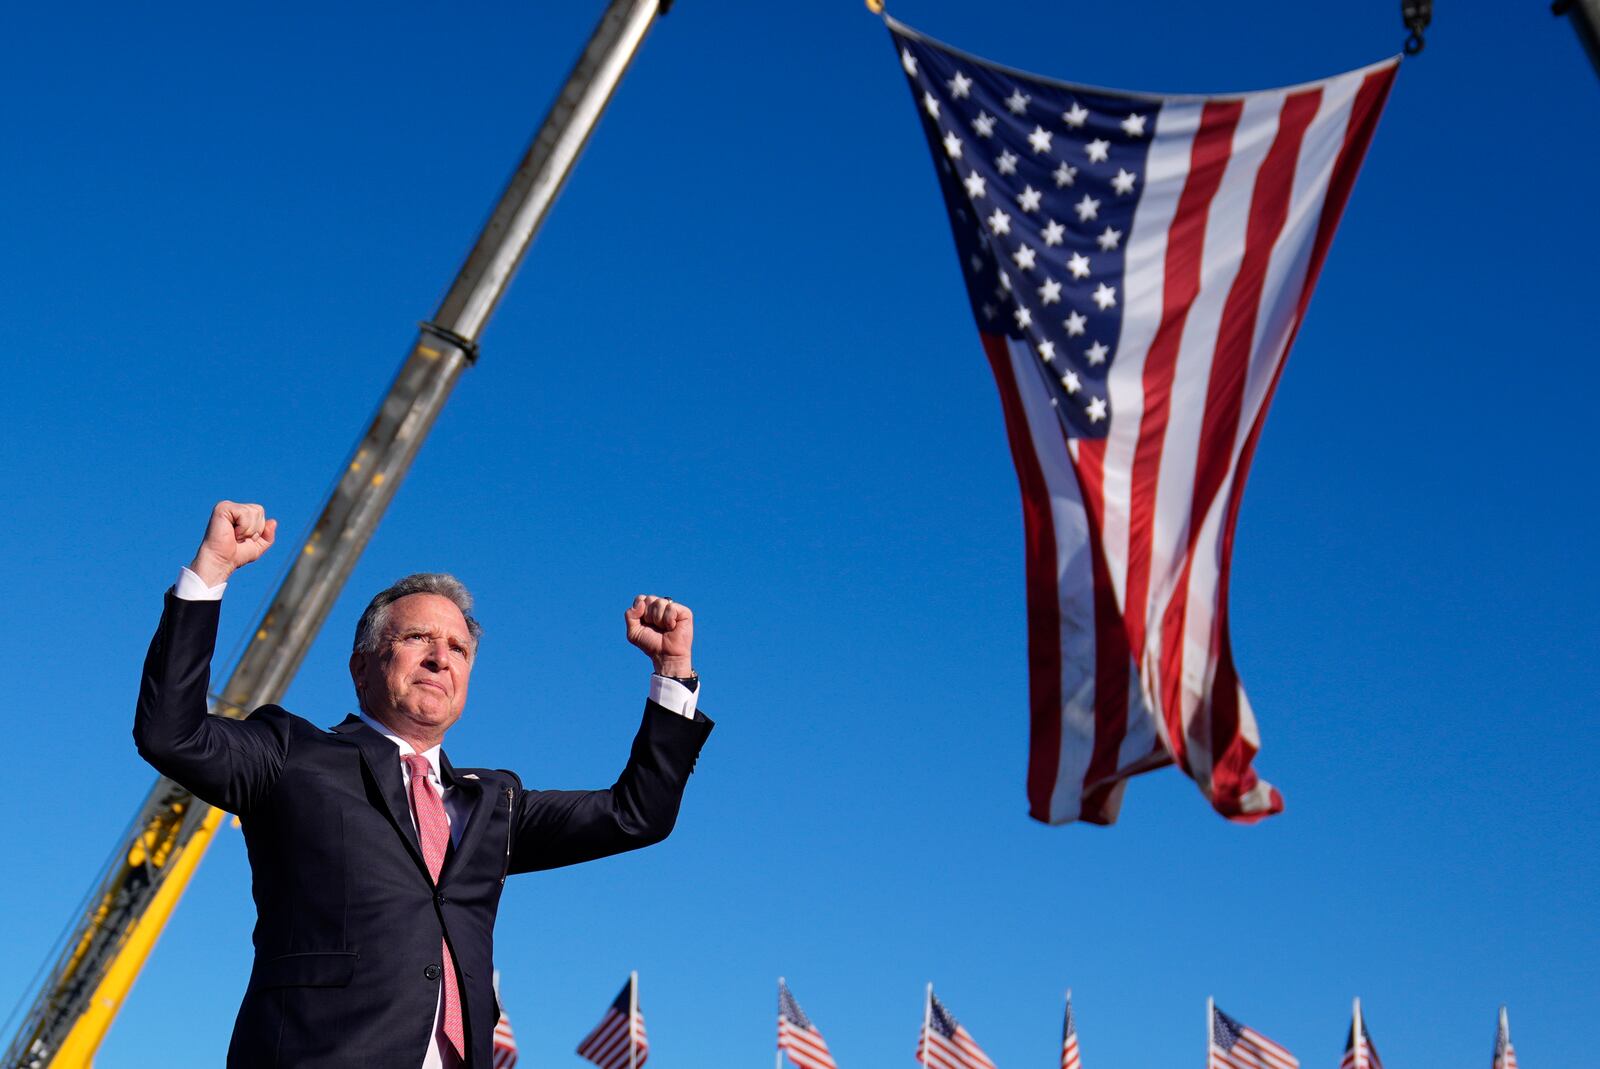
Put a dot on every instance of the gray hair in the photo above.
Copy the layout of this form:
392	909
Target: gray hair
375	620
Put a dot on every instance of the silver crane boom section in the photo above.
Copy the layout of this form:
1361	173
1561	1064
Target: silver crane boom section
445	345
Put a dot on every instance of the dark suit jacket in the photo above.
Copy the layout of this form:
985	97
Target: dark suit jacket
348	921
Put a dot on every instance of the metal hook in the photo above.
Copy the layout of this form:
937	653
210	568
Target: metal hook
1416	14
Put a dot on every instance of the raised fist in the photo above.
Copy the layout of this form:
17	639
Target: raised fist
664	630
235	535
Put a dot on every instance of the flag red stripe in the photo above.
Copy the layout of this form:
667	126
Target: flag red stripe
1208	158
1110	644
799	1041
1364	112
1269	208
938	1052
1043	594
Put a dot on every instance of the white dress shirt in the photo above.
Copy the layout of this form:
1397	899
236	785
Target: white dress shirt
664	691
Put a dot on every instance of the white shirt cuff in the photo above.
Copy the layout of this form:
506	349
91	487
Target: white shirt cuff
673	696
190	587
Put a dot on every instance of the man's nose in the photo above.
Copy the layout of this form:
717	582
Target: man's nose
437	657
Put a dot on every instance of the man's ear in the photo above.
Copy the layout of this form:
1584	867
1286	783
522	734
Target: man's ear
358	668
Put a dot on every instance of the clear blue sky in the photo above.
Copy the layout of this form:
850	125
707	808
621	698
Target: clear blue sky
737	368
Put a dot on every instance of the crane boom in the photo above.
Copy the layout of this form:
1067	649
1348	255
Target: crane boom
101	958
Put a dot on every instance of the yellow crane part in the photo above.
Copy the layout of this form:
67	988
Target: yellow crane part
78	1048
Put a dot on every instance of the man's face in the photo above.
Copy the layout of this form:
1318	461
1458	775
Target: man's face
416	682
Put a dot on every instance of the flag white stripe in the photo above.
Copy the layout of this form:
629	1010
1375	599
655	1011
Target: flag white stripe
1255	136
1166	173
1074	586
1222	251
798	1039
1144	273
1286	272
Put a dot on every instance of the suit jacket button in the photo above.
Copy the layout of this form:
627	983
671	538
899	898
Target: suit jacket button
432	972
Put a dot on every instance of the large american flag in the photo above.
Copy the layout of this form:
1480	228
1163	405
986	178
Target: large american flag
1505	1056
797	1036
1069	1039
1235	1046
1359	1050
1138	266
619	1041
945	1044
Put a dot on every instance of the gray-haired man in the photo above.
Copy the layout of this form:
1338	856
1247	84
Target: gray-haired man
377	864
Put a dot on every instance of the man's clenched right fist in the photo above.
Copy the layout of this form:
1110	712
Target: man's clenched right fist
235	535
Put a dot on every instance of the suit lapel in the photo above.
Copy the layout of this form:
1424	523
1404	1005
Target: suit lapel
382	761
471	792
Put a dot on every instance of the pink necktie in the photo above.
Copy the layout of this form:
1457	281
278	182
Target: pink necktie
433	828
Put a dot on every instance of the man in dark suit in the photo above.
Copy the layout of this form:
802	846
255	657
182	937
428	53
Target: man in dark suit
377	865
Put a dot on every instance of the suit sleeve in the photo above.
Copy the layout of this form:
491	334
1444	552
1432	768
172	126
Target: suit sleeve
556	828
231	764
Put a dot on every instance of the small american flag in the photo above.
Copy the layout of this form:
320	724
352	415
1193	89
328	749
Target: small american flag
1505	1056
1069	1039
1359	1050
505	1044
797	1036
1138	266
945	1044
1234	1046
619	1041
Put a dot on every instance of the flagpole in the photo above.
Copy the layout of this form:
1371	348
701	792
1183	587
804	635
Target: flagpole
777	1061
927	1015
1505	1030
1211	1016
1355	1033
633	1017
